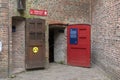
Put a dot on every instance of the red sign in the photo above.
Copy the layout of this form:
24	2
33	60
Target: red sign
38	12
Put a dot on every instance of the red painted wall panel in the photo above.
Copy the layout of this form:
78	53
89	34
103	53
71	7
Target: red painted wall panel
79	52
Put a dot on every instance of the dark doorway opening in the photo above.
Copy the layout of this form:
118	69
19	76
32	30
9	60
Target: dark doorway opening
51	44
57	43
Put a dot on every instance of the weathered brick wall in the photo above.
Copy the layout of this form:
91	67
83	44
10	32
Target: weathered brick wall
106	36
4	37
18	46
60	11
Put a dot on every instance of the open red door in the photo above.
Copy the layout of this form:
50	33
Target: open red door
78	45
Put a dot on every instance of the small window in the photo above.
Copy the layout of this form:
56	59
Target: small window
13	28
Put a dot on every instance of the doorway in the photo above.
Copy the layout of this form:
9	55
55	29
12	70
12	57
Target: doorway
18	44
57	44
28	44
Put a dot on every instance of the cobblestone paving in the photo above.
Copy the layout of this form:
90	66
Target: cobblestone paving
63	72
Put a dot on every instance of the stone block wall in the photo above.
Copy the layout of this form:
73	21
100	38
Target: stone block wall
106	36
4	24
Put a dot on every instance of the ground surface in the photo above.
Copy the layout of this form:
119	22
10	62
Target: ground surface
63	72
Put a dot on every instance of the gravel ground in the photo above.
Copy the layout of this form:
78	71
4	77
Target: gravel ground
63	72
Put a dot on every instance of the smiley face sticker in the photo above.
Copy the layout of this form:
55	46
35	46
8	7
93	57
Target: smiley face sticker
35	50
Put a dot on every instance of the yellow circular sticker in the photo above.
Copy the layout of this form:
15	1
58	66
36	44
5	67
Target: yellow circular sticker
35	49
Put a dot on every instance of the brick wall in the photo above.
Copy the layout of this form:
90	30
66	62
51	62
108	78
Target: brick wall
106	36
60	11
4	37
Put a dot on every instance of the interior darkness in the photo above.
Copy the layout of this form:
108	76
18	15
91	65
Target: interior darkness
51	45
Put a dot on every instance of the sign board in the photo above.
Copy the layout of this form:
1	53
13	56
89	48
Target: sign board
73	36
38	12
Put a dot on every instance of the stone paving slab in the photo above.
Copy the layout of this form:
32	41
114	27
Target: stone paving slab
63	72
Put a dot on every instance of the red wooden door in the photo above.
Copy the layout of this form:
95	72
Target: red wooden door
35	43
78	45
